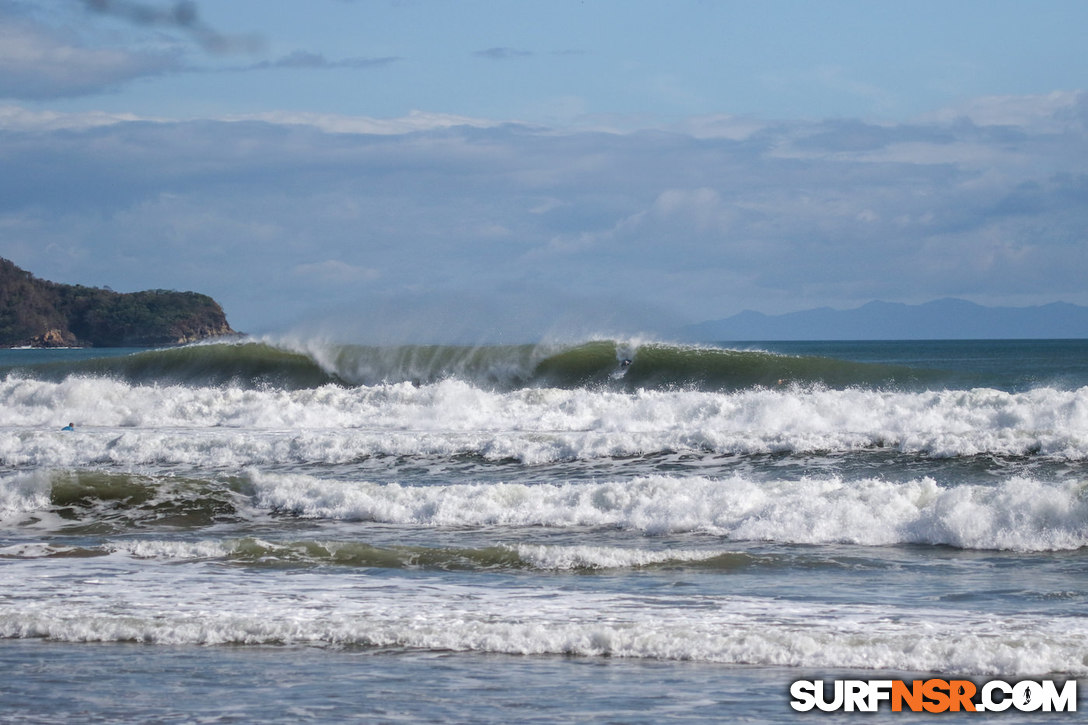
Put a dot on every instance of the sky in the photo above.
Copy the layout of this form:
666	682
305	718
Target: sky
385	170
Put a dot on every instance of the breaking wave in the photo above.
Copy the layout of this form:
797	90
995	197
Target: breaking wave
599	364
1019	514
118	423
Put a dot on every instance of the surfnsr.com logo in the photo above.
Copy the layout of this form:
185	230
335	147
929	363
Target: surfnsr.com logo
934	695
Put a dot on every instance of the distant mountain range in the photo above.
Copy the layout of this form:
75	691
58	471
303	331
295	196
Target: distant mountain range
946	319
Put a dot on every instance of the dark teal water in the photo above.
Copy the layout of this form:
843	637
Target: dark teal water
1003	364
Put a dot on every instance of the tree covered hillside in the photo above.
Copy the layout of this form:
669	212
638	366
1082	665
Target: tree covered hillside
46	314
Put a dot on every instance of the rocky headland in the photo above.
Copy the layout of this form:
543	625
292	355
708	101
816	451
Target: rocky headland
39	313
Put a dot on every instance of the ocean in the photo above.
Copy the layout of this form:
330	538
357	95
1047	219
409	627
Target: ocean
620	531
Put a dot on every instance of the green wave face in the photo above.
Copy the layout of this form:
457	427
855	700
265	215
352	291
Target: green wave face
602	364
615	365
498	366
659	366
307	553
310	553
591	364
100	502
248	365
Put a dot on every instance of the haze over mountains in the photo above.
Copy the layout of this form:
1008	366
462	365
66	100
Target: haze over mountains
945	319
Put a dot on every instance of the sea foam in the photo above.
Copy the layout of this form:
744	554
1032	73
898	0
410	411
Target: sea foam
1017	514
362	612
124	424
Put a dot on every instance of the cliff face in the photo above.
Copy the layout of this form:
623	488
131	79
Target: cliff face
45	314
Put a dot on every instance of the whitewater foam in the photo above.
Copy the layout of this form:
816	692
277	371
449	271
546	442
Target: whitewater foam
528	620
562	558
125	424
318	552
25	492
1017	514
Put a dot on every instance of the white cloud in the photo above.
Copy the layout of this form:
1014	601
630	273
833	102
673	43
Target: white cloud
17	118
1048	112
701	208
39	63
333	271
415	121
